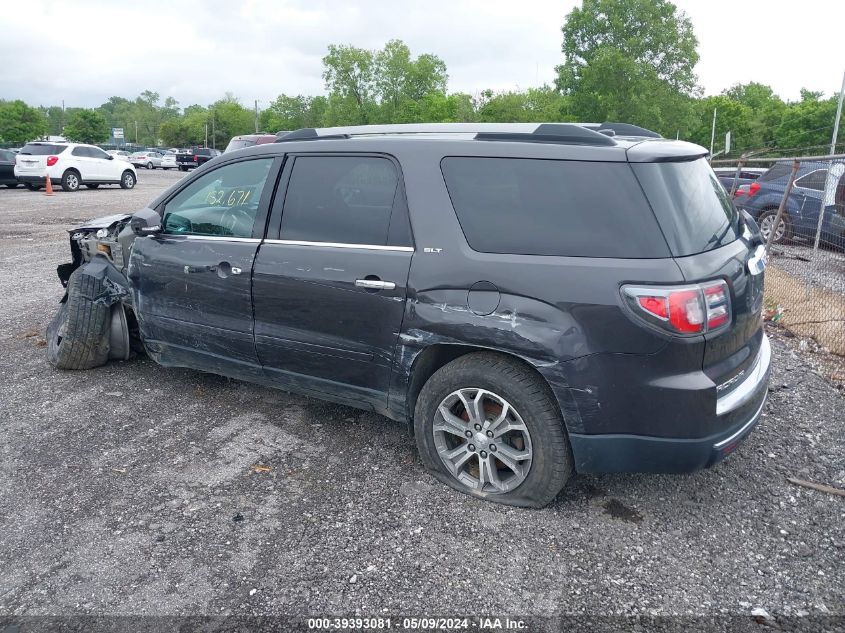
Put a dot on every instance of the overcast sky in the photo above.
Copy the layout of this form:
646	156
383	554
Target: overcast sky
85	51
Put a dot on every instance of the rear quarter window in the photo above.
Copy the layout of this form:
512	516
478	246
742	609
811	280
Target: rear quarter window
552	207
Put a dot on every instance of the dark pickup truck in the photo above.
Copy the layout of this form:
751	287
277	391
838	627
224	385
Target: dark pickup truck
195	157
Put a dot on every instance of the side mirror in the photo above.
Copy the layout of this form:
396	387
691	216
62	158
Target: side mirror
111	157
145	222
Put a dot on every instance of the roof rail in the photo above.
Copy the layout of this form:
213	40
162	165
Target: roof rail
564	133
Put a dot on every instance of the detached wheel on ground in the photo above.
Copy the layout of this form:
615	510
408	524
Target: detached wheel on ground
766	222
127	180
70	181
488	426
78	336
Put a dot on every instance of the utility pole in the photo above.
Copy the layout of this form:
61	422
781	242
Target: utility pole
213	133
206	134
256	116
136	132
712	133
838	116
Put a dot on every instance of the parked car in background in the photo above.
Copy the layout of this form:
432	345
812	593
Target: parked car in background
7	169
168	161
149	159
429	273
747	175
248	140
800	219
71	165
118	154
195	157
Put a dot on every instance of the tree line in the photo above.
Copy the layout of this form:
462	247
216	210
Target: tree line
624	60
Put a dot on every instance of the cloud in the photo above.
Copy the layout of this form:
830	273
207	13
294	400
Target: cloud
83	52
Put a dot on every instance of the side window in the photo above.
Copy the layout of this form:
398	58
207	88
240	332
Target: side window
342	199
96	152
223	202
4	155
81	152
813	180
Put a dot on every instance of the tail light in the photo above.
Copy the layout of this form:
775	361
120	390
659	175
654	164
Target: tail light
753	189
196	158
52	160
682	310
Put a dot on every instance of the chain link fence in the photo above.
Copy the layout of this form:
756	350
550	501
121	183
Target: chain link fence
799	204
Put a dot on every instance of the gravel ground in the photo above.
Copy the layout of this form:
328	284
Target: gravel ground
133	489
825	270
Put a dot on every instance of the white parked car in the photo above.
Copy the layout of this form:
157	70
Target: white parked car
71	165
148	159
119	154
168	161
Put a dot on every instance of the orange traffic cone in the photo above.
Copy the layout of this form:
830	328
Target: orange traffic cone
49	191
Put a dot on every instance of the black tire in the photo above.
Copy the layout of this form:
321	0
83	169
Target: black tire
32	186
127	180
182	168
71	180
93	186
78	336
149	166
12	185
551	458
785	220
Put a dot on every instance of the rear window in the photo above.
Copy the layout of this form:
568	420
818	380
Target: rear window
42	149
552	207
776	172
239	143
694	210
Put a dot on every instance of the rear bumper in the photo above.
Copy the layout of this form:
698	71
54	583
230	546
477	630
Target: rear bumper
614	453
37	180
191	163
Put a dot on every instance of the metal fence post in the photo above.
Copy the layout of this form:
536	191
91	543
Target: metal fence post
795	167
739	165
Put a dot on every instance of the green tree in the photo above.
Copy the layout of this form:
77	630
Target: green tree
228	118
731	116
292	113
808	124
766	111
348	73
629	60
20	123
87	126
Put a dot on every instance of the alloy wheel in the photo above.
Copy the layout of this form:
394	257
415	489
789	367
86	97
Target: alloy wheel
482	440
766	225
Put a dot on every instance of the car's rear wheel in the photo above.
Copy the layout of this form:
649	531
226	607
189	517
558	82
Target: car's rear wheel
182	168
766	222
149	165
12	185
77	337
127	180
32	186
93	186
488	426
70	181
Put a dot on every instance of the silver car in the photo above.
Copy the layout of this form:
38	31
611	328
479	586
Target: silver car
168	161
148	159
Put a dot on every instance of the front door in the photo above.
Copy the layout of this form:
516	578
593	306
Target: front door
191	283
329	292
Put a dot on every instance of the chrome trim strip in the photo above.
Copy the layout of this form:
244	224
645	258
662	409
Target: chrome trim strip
214	238
745	391
744	427
369	247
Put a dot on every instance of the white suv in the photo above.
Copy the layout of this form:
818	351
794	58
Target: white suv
71	165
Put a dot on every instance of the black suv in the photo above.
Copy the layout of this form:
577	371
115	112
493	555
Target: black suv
531	299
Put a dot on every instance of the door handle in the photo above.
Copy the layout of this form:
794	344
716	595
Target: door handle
375	284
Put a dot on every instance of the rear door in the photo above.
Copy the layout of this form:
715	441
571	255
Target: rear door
7	167
191	283
330	283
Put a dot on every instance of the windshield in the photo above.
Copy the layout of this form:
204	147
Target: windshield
694	210
42	149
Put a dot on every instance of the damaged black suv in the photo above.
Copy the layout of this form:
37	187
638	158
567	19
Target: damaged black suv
530	299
